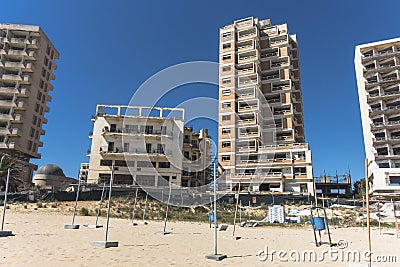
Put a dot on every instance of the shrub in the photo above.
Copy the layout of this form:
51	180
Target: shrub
84	212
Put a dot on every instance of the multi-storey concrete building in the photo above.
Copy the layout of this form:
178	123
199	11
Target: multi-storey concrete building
195	171
145	143
26	70
377	69
261	131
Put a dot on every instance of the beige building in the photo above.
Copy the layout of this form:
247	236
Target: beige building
148	145
195	171
377	69
27	62
261	140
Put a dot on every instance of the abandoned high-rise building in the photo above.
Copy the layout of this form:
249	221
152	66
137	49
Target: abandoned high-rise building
378	79
261	127
149	146
26	70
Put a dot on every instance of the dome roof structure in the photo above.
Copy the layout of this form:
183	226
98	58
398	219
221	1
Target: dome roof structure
50	169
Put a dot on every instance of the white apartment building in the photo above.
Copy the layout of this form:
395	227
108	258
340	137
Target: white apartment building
27	62
261	125
377	68
148	145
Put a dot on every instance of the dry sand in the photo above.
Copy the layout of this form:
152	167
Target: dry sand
40	240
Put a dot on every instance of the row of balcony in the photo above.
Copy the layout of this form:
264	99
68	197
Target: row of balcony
381	53
374	80
30	42
106	131
23	79
24	66
151	152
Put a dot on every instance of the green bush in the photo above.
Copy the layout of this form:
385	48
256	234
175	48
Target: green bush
84	212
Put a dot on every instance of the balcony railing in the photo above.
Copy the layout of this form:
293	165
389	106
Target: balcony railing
136	132
106	150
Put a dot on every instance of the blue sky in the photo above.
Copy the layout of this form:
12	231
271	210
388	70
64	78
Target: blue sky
109	48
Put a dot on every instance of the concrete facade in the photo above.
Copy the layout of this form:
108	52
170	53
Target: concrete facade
261	140
27	62
146	144
377	67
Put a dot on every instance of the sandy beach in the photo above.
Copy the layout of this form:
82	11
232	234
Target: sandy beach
40	240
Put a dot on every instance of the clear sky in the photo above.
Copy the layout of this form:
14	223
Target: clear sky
108	48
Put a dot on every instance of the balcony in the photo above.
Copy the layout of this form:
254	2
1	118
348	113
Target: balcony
23	92
18	41
247	34
26	79
34	43
30	67
269	53
129	132
15	132
279	64
7	145
142	152
4	130
18	118
7	103
248	106
279	87
11	77
278	40
270	76
20	105
246	93
247	57
248	80
247	45
246	121
247	149
13	65
17	53
5	117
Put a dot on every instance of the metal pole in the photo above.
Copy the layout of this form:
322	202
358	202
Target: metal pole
249	210
5	199
182	199
109	200
215	209
76	200
236	209
145	206
395	219
134	205
379	217
166	212
101	201
368	213
240	212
